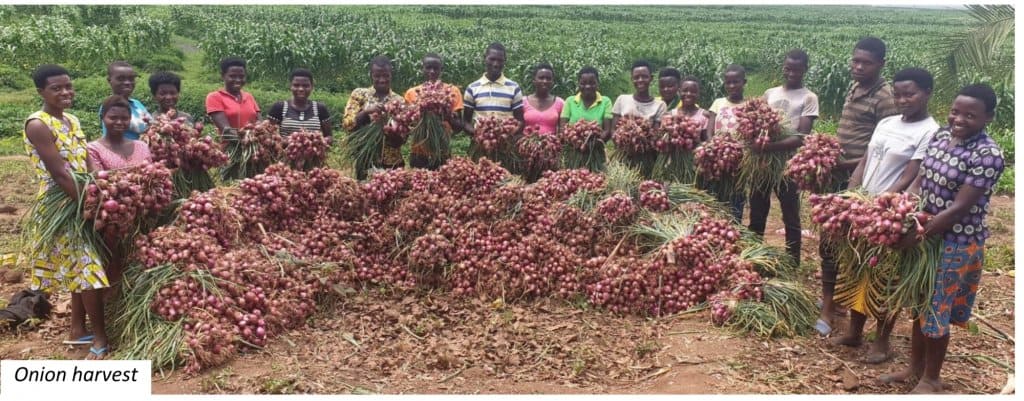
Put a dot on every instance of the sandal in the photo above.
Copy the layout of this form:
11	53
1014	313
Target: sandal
83	340
97	353
823	327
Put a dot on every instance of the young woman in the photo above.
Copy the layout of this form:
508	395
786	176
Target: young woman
689	92
121	77
166	87
589	105
542	109
960	168
365	101
642	104
111	152
231	108
56	145
725	121
300	113
890	164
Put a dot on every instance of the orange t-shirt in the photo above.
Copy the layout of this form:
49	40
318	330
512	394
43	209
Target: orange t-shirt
456	95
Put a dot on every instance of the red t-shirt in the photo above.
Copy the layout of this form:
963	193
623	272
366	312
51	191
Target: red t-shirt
238	114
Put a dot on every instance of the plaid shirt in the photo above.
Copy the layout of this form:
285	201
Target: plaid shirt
860	116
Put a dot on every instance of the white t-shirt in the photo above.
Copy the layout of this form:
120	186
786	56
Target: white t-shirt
625	105
794	103
894	144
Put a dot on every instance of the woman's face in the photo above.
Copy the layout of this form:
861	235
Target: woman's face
122	80
234	79
734	83
58	93
967	117
166	96
689	92
543	80
668	88
117	119
641	77
301	87
588	85
910	99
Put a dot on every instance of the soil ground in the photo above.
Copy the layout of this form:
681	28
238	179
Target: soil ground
372	342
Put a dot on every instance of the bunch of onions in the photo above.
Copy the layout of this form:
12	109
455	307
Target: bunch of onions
888	218
211	213
677	136
811	167
493	132
654	196
403	118
759	124
118	200
251	150
539	152
718	163
633	135
182	147
584	147
434	100
617	209
305	150
166	137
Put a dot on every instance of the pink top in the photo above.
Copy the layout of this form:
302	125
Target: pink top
547	120
105	159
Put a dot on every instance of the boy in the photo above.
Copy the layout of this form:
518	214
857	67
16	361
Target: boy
419	156
492	94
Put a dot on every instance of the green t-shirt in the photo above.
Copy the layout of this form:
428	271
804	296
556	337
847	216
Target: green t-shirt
599	111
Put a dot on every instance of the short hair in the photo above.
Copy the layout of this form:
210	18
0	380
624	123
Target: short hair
872	45
495	46
543	66
43	72
981	92
116	64
800	56
690	78
382	62
113	101
921	77
229	62
669	72
735	68
433	55
588	70
301	72
164	78
641	63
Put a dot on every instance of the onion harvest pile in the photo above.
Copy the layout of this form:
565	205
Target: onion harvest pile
305	150
811	167
634	143
538	152
873	276
678	135
183	147
251	149
760	125
435	104
583	146
285	236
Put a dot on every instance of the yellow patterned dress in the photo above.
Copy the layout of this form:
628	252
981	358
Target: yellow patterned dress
72	264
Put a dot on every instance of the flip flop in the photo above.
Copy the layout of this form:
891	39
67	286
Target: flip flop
83	340
99	353
822	327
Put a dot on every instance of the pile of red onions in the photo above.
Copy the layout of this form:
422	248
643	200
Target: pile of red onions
719	157
811	167
117	200
492	131
759	124
677	132
582	135
633	135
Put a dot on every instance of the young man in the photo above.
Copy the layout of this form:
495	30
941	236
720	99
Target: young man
492	94
668	87
800	107
419	155
868	101
121	77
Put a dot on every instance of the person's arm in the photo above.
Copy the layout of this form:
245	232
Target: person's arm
276	113
325	120
518	115
709	127
857	177
615	123
220	120
785	145
562	122
45	144
518	110
606	125
215	109
909	173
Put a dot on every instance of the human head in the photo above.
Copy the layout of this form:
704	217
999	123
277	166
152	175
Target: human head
689	90
588	80
640	74
380	73
734	79
301	83
116	114
232	72
867	60
543	78
494	60
433	66
165	87
121	77
794	66
912	88
53	83
668	83
973	108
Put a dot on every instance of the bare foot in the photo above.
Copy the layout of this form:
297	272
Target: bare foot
879	353
926	386
902	376
849	340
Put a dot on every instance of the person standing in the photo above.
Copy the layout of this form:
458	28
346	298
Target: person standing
868	101
121	77
166	88
363	102
231	108
542	109
726	122
494	95
299	113
589	105
419	155
640	104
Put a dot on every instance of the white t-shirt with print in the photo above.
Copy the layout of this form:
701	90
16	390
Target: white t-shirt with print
894	144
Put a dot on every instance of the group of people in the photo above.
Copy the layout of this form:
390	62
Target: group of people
890	144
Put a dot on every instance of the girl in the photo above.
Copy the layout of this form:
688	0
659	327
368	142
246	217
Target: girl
56	146
960	168
300	113
231	108
542	109
166	87
589	105
642	104
689	92
121	77
723	115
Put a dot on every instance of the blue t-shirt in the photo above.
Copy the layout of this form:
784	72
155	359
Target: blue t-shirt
138	124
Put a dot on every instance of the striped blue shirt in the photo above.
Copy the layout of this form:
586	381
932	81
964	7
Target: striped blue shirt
488	98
